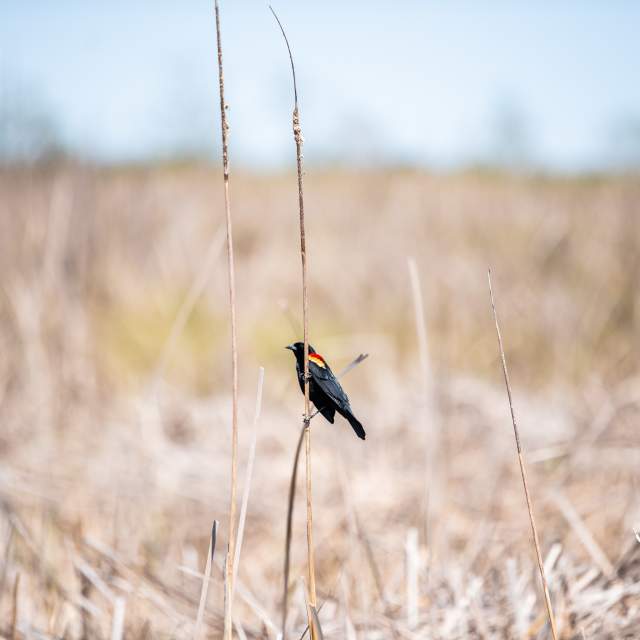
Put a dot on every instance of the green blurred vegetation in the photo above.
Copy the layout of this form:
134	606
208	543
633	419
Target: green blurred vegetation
132	338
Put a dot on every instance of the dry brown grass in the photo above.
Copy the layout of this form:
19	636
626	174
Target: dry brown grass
107	480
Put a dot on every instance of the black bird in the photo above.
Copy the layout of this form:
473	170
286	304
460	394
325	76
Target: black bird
324	389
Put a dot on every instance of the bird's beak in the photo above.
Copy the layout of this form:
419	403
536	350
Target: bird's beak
290	347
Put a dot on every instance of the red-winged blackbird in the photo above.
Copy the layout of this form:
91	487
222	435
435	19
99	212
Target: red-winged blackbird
324	389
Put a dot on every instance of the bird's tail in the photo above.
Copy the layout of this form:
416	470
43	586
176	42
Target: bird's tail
355	425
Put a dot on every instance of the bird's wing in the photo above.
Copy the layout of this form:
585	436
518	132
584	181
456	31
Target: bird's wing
328	383
328	412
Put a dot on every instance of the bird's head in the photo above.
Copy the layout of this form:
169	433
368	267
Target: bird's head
298	350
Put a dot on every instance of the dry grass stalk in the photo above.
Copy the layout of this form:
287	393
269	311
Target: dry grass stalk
313	620
412	559
316	629
421	330
287	543
117	625
536	542
248	474
14	612
205	581
5	562
299	140
431	426
229	572
584	535
239	629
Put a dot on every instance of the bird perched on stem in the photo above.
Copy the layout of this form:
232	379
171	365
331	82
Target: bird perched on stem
325	391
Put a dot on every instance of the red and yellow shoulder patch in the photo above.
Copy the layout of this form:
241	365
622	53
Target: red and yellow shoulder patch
317	359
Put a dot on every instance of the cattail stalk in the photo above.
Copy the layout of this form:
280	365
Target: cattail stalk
229	573
299	140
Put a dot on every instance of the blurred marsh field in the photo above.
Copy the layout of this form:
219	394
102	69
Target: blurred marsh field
115	403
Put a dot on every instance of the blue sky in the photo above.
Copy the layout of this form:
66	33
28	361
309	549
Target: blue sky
436	83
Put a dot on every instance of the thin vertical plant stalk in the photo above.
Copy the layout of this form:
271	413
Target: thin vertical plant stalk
299	140
229	573
197	634
523	473
287	543
248	474
434	487
412	560
14	609
117	625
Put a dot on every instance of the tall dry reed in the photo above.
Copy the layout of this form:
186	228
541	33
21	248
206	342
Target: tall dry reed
229	572
523	473
299	140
